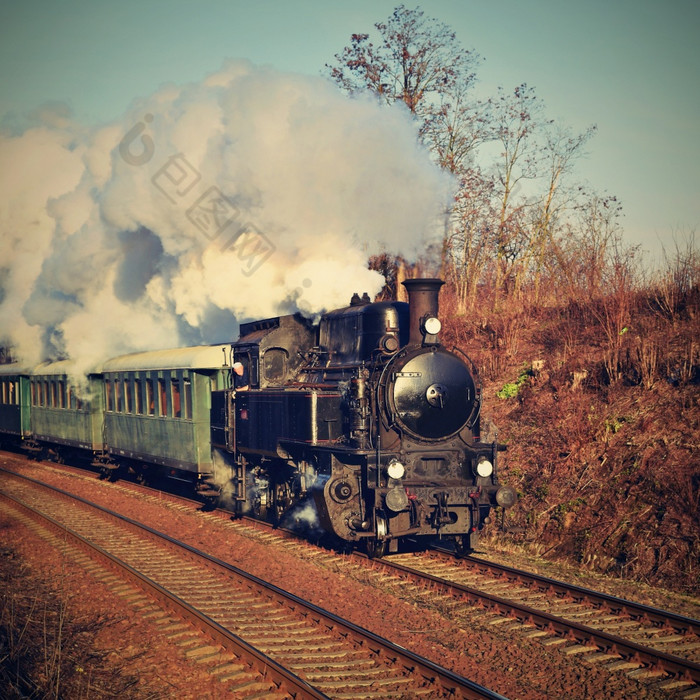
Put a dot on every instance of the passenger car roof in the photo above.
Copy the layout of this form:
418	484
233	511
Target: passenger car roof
198	357
14	369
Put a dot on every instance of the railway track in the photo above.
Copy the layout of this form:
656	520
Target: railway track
648	644
644	642
657	648
666	631
653	646
261	640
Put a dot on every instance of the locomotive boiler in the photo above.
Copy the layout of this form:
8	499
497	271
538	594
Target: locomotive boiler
367	416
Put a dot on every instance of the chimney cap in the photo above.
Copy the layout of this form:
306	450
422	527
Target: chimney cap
422	282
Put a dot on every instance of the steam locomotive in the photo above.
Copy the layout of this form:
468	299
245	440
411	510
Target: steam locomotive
368	415
365	416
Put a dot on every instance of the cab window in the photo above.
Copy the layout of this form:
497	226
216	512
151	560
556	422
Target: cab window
274	364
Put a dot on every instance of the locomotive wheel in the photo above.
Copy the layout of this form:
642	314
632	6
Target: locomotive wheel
282	501
462	547
55	456
107	474
256	507
376	547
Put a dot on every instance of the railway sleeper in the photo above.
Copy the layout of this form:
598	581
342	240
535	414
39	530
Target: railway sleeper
174	626
582	614
363	683
675	684
189	642
250	627
623	665
645	673
320	676
580	649
247	687
181	634
230	667
285	635
283	646
623	625
330	666
600	657
670	639
204	653
339	652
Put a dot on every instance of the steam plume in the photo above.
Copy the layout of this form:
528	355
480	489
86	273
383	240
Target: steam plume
249	194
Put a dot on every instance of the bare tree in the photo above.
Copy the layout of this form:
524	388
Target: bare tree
560	151
597	233
417	61
516	123
471	242
678	281
512	162
455	128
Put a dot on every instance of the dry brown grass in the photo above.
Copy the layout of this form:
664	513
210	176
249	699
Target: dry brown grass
47	650
604	435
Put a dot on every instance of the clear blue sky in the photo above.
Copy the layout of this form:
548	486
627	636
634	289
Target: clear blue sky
630	66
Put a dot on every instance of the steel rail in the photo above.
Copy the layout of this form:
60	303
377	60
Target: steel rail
451	683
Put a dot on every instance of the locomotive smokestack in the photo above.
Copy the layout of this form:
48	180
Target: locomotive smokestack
423	303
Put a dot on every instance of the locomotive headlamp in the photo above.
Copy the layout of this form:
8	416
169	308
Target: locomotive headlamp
484	467
432	325
396	500
395	469
506	496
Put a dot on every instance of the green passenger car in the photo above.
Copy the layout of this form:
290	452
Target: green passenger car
14	403
66	408
157	407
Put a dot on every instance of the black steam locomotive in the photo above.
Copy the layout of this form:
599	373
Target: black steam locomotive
367	415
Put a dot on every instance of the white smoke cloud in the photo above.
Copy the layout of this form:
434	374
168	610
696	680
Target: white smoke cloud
109	243
303	519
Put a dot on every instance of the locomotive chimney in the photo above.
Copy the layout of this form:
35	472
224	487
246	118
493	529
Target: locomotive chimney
422	303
